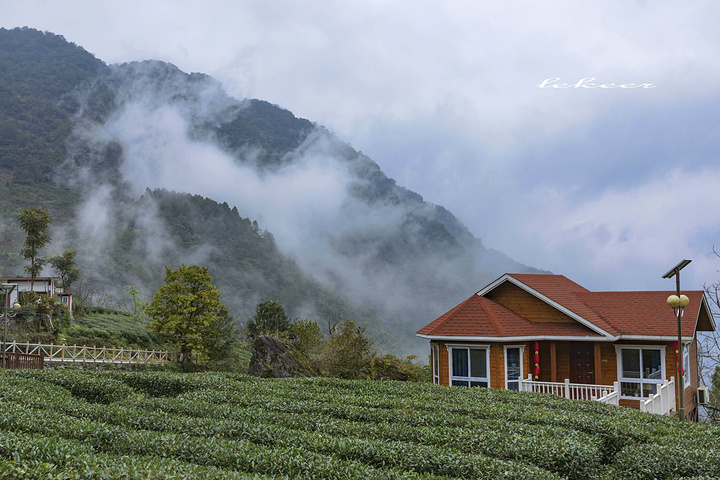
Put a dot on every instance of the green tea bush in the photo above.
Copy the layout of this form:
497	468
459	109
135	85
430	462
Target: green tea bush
160	384
93	387
119	424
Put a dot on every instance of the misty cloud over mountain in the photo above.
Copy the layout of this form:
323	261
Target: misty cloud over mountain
142	131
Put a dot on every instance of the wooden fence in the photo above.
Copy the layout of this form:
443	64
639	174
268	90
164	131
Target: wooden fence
84	354
21	360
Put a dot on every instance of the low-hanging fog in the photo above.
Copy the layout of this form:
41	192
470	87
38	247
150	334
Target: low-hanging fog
149	126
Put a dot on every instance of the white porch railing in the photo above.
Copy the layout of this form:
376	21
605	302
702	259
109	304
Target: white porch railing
663	401
611	398
572	391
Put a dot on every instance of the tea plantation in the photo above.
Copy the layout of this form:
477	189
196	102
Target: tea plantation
158	425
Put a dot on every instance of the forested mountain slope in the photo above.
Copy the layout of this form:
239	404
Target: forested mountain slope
143	166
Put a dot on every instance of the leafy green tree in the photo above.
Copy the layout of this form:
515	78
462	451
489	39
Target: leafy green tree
269	319
349	353
306	336
137	306
188	307
65	267
36	223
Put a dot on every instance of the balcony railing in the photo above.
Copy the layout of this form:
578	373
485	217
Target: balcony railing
572	391
662	403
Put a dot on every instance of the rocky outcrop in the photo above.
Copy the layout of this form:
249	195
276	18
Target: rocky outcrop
272	358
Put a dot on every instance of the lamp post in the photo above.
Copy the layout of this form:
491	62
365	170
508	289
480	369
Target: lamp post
6	288
678	303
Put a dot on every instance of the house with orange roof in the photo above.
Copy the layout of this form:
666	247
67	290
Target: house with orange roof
546	333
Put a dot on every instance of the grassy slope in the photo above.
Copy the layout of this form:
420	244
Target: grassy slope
77	424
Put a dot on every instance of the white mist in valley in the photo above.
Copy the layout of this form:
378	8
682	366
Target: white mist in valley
155	128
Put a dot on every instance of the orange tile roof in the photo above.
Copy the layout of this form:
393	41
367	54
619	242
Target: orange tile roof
481	317
616	313
644	313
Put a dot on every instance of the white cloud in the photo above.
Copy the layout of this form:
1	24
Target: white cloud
443	96
624	238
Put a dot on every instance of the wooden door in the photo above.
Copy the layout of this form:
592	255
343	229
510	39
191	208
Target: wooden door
582	363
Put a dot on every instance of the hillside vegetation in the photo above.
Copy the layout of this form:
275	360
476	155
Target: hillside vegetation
143	166
158	425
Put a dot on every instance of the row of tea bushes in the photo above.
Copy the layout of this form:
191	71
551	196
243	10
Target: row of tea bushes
326	428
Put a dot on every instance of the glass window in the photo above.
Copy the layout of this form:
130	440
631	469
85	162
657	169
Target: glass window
478	363
513	368
469	367
641	371
652	369
436	364
460	362
631	363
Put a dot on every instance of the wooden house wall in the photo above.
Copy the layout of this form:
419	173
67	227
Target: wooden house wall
497	362
526	305
608	364
606	372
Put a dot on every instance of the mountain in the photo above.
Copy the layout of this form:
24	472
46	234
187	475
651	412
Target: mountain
144	165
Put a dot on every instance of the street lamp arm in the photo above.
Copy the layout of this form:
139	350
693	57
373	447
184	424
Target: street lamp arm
678	303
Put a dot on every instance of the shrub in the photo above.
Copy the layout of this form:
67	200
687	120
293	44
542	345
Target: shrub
160	384
349	353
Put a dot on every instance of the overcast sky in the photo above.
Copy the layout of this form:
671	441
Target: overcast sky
455	100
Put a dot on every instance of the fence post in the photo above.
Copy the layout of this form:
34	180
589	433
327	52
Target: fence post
567	388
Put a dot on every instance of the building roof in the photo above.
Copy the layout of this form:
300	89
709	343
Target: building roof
607	316
481	317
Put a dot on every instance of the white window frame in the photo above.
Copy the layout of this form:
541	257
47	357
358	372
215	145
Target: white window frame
521	374
469	379
641	381
435	353
686	365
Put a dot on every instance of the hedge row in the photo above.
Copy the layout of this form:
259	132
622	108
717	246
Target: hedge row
34	457
569	452
328	428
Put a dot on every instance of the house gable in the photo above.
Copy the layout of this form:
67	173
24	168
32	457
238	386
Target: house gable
705	320
558	293
481	319
526	305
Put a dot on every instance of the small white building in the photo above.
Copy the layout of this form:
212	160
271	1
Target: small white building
42	285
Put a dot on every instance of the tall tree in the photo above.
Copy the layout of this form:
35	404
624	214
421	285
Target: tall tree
64	265
270	319
36	223
189	308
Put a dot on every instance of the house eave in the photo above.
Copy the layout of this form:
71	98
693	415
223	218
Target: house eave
650	338
560	338
522	338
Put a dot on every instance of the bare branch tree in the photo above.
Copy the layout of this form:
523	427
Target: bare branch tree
709	352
